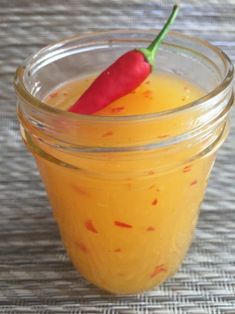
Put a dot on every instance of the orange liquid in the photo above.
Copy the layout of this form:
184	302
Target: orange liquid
126	225
158	93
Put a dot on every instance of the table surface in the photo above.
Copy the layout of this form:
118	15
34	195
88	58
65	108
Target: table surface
35	273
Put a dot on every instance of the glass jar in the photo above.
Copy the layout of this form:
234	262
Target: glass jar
126	207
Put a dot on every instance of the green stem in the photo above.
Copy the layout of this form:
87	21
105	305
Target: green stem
151	50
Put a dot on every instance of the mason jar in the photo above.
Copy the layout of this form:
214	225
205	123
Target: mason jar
126	205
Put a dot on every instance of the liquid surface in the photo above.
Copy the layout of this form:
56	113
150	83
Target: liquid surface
158	93
126	223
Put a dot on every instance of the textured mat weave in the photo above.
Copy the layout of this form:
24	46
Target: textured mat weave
35	274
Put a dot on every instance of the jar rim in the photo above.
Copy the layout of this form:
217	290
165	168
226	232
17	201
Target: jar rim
27	97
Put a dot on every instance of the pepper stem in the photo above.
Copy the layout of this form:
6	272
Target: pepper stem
151	50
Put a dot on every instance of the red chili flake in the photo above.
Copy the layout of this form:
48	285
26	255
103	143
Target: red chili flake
151	172
153	187
117	109
187	168
150	228
147	93
193	182
158	269
82	247
129	186
122	224
117	250
163	136
154	202
52	95
109	133
89	225
80	190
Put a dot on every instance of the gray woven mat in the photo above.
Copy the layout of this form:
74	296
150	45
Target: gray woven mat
35	274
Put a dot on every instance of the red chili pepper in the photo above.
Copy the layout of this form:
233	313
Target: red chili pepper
123	76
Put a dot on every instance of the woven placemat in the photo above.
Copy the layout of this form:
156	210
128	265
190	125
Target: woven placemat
35	274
